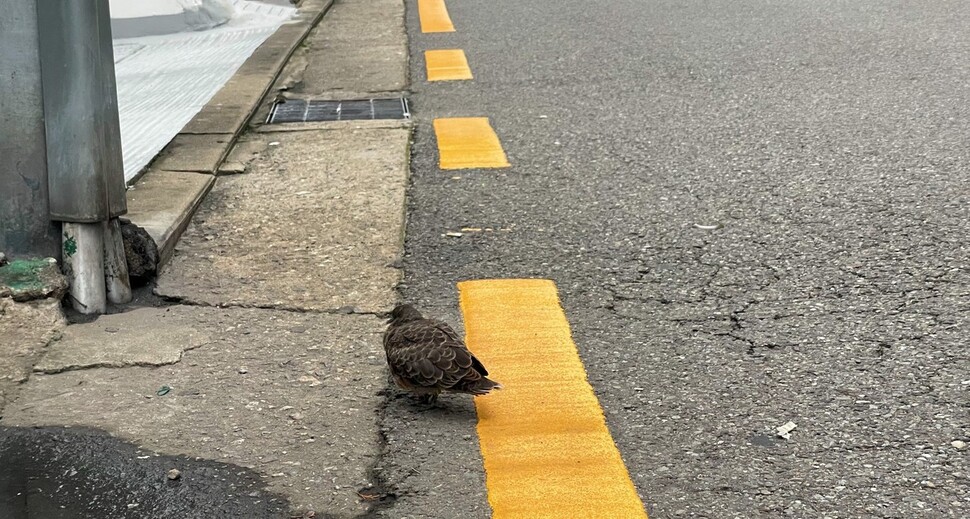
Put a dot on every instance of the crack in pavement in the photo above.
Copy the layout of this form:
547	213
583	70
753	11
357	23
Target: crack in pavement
343	310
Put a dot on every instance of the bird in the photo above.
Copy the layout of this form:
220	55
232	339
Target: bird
426	357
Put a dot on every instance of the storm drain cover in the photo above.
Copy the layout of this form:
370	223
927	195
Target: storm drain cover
302	110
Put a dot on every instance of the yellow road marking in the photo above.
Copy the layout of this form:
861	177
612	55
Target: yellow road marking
467	143
544	440
434	16
447	65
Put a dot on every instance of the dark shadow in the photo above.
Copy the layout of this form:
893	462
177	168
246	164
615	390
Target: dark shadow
452	406
69	473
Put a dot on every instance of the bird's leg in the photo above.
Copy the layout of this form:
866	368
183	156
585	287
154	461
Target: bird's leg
430	398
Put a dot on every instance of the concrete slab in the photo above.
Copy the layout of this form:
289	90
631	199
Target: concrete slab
232	168
163	202
245	151
352	67
360	47
200	153
290	395
376	22
309	221
26	329
141	337
219	117
313	225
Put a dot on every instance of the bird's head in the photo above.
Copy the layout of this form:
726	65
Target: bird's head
404	313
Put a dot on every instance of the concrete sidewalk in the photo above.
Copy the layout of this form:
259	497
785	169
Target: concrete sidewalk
262	348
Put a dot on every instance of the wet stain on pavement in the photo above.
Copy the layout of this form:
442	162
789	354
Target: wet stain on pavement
71	473
763	440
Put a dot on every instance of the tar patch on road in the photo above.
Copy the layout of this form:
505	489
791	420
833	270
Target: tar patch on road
763	440
64	473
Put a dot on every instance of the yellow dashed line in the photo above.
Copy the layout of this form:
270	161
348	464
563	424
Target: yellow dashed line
447	65
544	440
468	142
434	16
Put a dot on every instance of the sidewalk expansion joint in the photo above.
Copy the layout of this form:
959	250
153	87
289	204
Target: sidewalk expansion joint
116	365
343	310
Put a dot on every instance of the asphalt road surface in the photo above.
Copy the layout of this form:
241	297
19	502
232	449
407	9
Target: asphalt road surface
72	473
755	213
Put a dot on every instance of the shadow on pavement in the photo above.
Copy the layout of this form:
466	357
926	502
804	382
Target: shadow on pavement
69	473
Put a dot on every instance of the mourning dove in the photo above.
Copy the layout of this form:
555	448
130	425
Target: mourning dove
427	357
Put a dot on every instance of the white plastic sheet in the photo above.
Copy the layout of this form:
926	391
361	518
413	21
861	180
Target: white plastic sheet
163	81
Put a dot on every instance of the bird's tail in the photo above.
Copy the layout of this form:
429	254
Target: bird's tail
482	386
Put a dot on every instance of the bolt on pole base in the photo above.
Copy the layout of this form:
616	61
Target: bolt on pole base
83	264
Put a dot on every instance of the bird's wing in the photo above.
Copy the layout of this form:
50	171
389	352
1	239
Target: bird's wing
447	330
459	343
476	364
429	353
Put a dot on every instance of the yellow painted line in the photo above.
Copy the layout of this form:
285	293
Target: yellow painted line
546	448
447	65
434	16
467	143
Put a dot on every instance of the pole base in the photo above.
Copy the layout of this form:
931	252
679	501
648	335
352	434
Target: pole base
82	248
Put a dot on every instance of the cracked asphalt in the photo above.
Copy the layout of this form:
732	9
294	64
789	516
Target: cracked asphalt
755	213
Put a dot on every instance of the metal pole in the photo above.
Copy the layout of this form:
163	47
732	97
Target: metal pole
26	229
85	172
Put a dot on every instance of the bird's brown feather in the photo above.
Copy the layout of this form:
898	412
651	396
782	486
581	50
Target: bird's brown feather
427	356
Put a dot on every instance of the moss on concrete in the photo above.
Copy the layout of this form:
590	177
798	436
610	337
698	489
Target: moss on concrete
29	279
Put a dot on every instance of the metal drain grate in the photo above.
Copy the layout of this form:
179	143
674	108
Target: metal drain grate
299	110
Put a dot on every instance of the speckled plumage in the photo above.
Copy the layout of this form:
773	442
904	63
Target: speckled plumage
426	357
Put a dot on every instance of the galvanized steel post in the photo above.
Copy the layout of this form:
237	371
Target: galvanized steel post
25	225
66	50
85	171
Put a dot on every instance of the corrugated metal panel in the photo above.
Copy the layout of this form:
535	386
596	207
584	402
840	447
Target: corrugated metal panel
163	81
